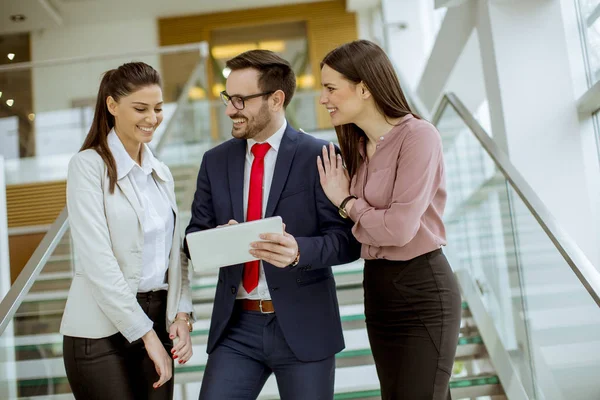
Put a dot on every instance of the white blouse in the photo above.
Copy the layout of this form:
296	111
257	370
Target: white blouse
158	218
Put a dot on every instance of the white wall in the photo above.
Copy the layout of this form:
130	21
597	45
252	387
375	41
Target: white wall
54	88
466	79
408	37
370	25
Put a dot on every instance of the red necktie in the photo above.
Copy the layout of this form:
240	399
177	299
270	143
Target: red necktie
255	196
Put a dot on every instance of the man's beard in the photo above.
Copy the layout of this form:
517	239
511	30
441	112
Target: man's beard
255	125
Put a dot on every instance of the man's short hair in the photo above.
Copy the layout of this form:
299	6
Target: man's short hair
275	73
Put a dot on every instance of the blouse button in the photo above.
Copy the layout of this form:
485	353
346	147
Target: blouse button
381	138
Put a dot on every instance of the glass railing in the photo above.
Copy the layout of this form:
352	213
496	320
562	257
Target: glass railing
536	287
30	316
46	118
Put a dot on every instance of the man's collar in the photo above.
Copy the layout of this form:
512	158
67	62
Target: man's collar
274	140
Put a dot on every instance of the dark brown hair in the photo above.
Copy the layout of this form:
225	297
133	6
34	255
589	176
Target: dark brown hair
117	83
275	73
364	61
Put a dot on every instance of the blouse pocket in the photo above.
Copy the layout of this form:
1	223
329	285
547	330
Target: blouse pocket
379	187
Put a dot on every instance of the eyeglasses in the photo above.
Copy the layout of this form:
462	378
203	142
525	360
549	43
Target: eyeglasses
239	102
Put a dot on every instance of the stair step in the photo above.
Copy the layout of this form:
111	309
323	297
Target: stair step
355	382
58	263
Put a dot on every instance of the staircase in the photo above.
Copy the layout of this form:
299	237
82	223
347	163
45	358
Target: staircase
38	346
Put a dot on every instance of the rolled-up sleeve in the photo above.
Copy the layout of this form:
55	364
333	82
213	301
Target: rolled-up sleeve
417	179
91	239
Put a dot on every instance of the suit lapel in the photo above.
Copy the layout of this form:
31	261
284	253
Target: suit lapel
235	167
285	156
127	189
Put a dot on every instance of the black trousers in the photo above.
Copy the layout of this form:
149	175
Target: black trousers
111	368
413	311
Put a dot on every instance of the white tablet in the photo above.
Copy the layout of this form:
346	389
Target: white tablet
228	245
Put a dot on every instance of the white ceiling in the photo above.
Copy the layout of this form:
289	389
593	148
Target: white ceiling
48	14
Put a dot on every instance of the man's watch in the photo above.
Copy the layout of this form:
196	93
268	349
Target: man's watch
296	260
187	321
342	207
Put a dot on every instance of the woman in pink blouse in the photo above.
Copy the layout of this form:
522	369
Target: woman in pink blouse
393	189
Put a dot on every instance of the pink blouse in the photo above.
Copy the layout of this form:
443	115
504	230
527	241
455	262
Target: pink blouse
401	193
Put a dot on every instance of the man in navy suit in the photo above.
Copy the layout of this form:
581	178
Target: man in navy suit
279	315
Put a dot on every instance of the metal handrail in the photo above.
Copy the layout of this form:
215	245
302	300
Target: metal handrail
199	46
33	268
573	255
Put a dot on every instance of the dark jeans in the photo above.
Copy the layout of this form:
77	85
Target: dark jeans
413	311
253	348
111	368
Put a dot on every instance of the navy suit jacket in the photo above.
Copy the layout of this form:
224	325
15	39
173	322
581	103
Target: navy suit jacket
304	296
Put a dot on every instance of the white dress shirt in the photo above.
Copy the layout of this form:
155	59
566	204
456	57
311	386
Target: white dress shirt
261	292
158	219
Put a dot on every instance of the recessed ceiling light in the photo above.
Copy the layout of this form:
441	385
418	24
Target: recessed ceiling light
10	102
18	18
10	56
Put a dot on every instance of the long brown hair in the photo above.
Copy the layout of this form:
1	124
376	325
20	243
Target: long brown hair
117	83
364	61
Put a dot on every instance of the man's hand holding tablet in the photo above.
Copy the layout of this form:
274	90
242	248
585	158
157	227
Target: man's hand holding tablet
278	250
236	243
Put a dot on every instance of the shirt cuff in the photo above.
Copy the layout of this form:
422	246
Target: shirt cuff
358	209
185	305
138	330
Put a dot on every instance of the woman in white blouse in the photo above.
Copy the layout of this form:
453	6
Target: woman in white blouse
130	296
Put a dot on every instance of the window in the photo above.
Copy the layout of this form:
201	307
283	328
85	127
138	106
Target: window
589	20
589	27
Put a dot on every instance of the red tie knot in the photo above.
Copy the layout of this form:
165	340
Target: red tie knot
260	149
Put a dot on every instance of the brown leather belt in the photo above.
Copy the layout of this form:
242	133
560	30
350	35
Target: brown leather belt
263	306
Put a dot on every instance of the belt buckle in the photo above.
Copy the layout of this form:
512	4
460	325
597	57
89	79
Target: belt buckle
260	306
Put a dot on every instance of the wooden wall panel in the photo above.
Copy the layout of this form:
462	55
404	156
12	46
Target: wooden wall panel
325	33
21	248
35	204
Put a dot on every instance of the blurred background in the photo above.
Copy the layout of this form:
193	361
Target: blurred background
512	86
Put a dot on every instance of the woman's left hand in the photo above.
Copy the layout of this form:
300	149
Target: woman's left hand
182	351
333	176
